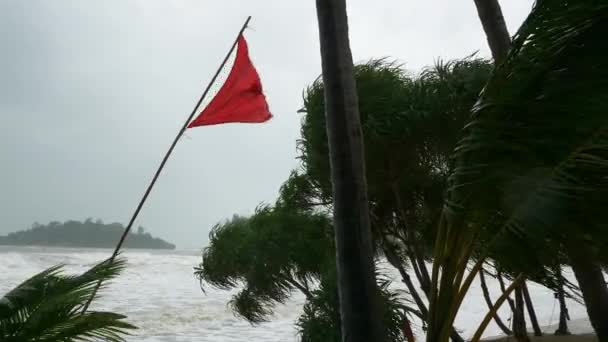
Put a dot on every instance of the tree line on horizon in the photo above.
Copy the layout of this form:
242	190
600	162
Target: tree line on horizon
88	233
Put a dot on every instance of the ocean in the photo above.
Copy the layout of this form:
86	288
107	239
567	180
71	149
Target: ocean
160	294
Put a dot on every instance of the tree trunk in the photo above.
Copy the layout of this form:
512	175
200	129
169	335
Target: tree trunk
361	318
425	282
563	309
394	260
519	319
416	268
494	26
503	289
531	312
417	260
593	287
407	280
488	299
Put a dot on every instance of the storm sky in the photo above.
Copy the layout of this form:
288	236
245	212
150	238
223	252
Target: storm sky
93	92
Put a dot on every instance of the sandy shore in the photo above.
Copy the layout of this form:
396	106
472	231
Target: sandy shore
552	338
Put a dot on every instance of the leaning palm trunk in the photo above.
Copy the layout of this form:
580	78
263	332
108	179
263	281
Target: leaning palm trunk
531	311
562	328
486	296
501	282
493	22
519	319
593	287
358	294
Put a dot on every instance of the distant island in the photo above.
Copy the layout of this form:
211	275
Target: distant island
83	234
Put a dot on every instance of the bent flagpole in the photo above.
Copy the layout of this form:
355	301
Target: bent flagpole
166	157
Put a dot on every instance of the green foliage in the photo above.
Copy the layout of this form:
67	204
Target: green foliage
530	172
82	234
277	251
410	126
321	316
299	193
320	319
534	157
47	307
271	253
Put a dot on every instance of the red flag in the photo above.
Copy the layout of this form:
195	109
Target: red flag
240	99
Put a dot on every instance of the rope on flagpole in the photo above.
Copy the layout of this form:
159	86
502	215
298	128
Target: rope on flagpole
165	158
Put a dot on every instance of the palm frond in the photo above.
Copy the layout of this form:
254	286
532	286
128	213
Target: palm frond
537	147
531	168
47	307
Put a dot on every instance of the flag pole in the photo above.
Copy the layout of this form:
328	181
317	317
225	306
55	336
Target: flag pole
166	157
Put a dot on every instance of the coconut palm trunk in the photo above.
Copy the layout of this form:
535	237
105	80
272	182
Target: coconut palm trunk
591	281
562	329
358	295
519	319
493	22
531	311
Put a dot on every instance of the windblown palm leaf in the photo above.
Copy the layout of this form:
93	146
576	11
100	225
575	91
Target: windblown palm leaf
538	142
533	164
47	307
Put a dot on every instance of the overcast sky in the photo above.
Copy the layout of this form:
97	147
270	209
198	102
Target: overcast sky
93	92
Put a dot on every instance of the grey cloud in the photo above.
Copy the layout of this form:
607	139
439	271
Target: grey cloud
92	93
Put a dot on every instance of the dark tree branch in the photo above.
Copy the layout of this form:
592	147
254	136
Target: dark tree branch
304	289
394	260
422	272
416	268
488	299
503	289
425	282
531	312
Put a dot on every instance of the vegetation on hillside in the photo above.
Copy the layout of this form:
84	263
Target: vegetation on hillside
82	234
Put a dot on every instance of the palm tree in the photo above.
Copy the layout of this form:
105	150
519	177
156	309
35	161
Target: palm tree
410	126
531	169
358	293
47	308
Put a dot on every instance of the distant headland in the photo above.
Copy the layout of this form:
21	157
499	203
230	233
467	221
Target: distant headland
89	233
